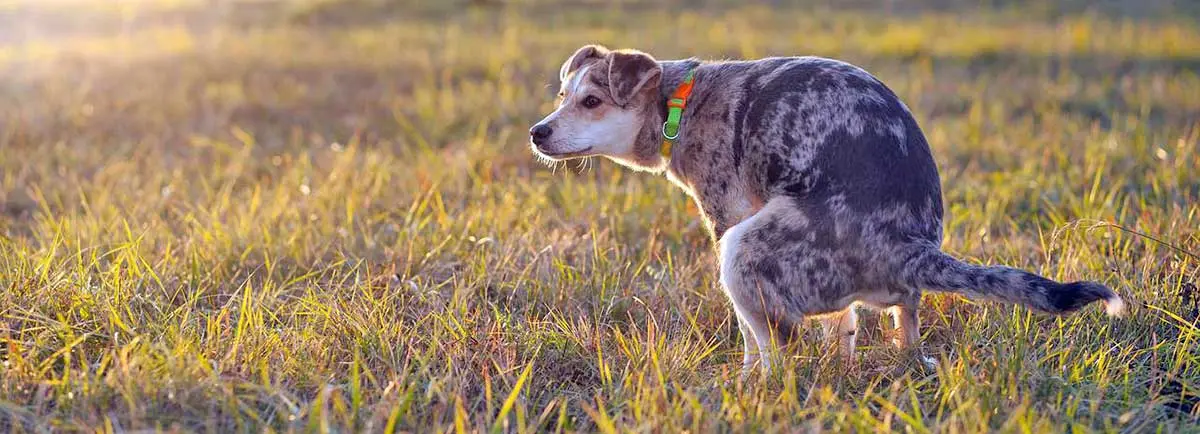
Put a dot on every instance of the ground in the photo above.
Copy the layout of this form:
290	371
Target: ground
237	216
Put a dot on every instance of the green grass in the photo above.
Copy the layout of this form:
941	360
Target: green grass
325	217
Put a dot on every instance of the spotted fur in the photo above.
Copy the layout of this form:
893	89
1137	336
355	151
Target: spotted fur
816	183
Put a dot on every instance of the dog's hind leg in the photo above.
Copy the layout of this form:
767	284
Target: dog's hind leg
750	353
908	328
770	277
745	291
842	328
758	337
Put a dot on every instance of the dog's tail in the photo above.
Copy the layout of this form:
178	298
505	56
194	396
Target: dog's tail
927	267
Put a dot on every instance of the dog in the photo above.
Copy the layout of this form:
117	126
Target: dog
812	177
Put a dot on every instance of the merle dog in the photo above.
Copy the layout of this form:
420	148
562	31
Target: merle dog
811	175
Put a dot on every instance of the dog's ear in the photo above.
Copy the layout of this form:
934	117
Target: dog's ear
583	53
629	72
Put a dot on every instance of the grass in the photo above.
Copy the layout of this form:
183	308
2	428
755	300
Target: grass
311	217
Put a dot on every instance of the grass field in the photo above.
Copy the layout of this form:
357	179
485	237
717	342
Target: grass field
324	216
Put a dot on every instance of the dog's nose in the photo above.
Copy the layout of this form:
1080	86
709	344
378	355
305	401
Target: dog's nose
540	132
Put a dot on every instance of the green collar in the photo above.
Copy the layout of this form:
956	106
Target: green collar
675	105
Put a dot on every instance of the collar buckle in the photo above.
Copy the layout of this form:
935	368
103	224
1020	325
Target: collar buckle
670	136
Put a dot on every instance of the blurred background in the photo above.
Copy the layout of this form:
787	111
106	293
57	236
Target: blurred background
337	67
325	211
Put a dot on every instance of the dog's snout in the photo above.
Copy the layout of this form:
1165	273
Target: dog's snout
540	132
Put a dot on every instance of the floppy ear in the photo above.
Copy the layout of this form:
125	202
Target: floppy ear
629	72
583	53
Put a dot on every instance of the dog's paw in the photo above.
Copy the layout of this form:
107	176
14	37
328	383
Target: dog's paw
929	363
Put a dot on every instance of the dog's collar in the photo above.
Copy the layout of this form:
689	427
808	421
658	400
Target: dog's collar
675	105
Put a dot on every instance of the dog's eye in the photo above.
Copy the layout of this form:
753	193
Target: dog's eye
591	102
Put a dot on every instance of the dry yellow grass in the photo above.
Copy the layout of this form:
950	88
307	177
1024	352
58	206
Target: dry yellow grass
311	217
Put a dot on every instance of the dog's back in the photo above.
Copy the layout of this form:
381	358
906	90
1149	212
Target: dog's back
851	195
834	141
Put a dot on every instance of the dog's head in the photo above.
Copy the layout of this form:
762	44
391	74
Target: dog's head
603	99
